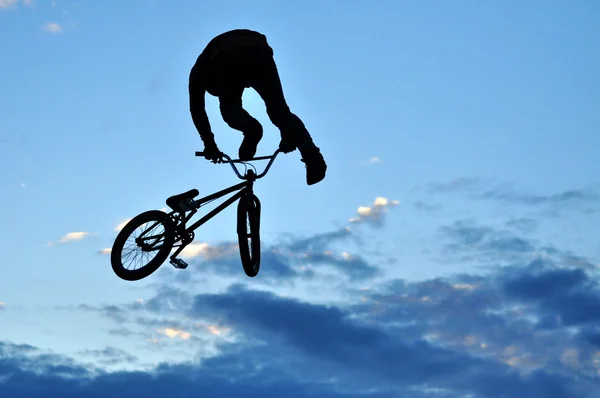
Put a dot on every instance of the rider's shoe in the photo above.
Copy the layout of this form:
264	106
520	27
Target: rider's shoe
315	166
248	147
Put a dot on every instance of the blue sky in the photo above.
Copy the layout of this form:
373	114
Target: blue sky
451	251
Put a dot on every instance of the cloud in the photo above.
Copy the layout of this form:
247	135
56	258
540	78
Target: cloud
225	376
105	251
71	237
527	326
526	329
374	214
561	297
421	205
469	240
479	189
53	28
570	197
116	313
2	305
124	222
356	267
174	333
456	185
7	3
523	224
209	252
110	356
367	352
373	160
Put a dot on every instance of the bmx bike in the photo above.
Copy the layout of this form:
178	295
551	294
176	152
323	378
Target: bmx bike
158	232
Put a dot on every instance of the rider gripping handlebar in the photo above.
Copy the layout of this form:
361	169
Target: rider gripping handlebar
232	161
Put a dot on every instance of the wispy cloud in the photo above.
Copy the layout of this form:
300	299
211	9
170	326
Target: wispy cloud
52	27
2	305
105	251
7	3
109	356
373	160
467	240
71	237
208	252
479	189
575	196
456	185
124	222
424	206
175	333
374	214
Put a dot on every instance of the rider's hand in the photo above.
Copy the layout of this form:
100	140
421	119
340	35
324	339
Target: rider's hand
287	146
212	153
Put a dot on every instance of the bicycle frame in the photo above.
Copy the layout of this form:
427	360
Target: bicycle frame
185	235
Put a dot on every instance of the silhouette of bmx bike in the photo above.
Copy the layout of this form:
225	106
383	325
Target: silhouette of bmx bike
156	232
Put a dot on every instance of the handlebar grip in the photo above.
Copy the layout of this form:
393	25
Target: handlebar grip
199	153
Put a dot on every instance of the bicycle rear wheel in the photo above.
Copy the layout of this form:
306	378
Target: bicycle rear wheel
248	230
150	232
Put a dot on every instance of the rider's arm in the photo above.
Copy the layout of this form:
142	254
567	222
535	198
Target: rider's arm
198	111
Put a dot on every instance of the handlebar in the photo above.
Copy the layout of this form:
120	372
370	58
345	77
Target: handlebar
232	161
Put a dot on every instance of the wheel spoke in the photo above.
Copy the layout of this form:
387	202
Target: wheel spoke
133	254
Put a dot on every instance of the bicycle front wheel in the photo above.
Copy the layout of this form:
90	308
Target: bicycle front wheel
145	241
248	230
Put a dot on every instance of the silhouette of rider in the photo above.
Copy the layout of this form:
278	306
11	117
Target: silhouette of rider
231	62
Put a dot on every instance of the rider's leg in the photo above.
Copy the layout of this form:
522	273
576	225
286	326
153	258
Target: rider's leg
227	79
236	117
265	80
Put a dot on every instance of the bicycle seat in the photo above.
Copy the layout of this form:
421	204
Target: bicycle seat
174	201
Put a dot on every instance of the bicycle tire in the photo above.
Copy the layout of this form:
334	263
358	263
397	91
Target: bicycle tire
249	218
119	244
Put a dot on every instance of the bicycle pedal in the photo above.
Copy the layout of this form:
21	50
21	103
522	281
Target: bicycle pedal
179	263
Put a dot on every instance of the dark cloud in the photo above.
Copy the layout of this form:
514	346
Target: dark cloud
570	197
292	258
356	267
562	297
225	376
424	206
371	353
485	335
456	185
317	242
467	239
580	200
118	314
523	224
110	356
526	329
